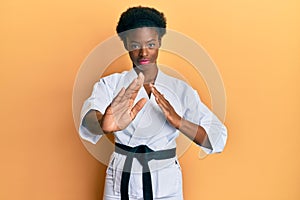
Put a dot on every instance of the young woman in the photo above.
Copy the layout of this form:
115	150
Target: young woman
146	109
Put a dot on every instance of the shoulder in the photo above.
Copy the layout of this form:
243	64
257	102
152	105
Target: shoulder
113	77
179	86
111	80
107	85
184	93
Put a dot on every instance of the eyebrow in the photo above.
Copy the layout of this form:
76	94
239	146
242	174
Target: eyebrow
151	40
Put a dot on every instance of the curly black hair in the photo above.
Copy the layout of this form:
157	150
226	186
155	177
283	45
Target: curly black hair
138	17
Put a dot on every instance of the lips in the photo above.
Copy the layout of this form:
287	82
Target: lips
144	61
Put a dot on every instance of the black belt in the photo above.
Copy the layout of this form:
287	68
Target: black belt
143	154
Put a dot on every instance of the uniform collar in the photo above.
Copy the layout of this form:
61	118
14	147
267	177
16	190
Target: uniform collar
131	74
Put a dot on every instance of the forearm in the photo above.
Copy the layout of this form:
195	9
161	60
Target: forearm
195	132
92	122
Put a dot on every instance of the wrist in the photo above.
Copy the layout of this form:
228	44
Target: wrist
100	121
177	122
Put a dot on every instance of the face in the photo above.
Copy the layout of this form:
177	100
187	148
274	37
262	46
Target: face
143	44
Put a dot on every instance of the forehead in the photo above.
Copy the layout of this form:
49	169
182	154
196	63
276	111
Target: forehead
142	34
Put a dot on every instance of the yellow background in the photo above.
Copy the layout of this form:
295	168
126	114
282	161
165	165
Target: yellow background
255	44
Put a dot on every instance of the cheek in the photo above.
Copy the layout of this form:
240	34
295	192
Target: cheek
154	54
133	55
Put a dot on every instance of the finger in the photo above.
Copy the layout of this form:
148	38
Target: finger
130	89
141	78
159	96
132	98
163	108
159	103
134	87
118	104
119	96
161	100
162	103
137	107
156	92
140	81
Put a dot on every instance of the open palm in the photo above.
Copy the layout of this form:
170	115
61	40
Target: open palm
121	112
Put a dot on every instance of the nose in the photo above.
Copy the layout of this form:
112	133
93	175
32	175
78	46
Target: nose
143	52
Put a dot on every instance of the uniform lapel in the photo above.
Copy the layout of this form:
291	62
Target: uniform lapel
151	119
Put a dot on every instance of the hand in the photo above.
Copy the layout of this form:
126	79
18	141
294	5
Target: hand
121	112
172	117
193	131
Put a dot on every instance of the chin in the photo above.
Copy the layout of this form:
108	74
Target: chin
141	67
145	66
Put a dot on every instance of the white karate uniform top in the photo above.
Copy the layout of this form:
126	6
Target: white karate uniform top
151	128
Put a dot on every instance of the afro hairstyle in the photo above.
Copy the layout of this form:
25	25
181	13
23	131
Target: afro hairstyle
138	17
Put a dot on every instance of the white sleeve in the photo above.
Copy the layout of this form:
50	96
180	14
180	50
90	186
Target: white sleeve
99	100
198	113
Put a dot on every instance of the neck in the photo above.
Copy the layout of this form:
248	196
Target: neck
149	74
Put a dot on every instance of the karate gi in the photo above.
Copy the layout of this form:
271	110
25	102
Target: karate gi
151	128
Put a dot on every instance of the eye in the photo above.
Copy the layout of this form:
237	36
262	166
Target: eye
151	45
134	46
